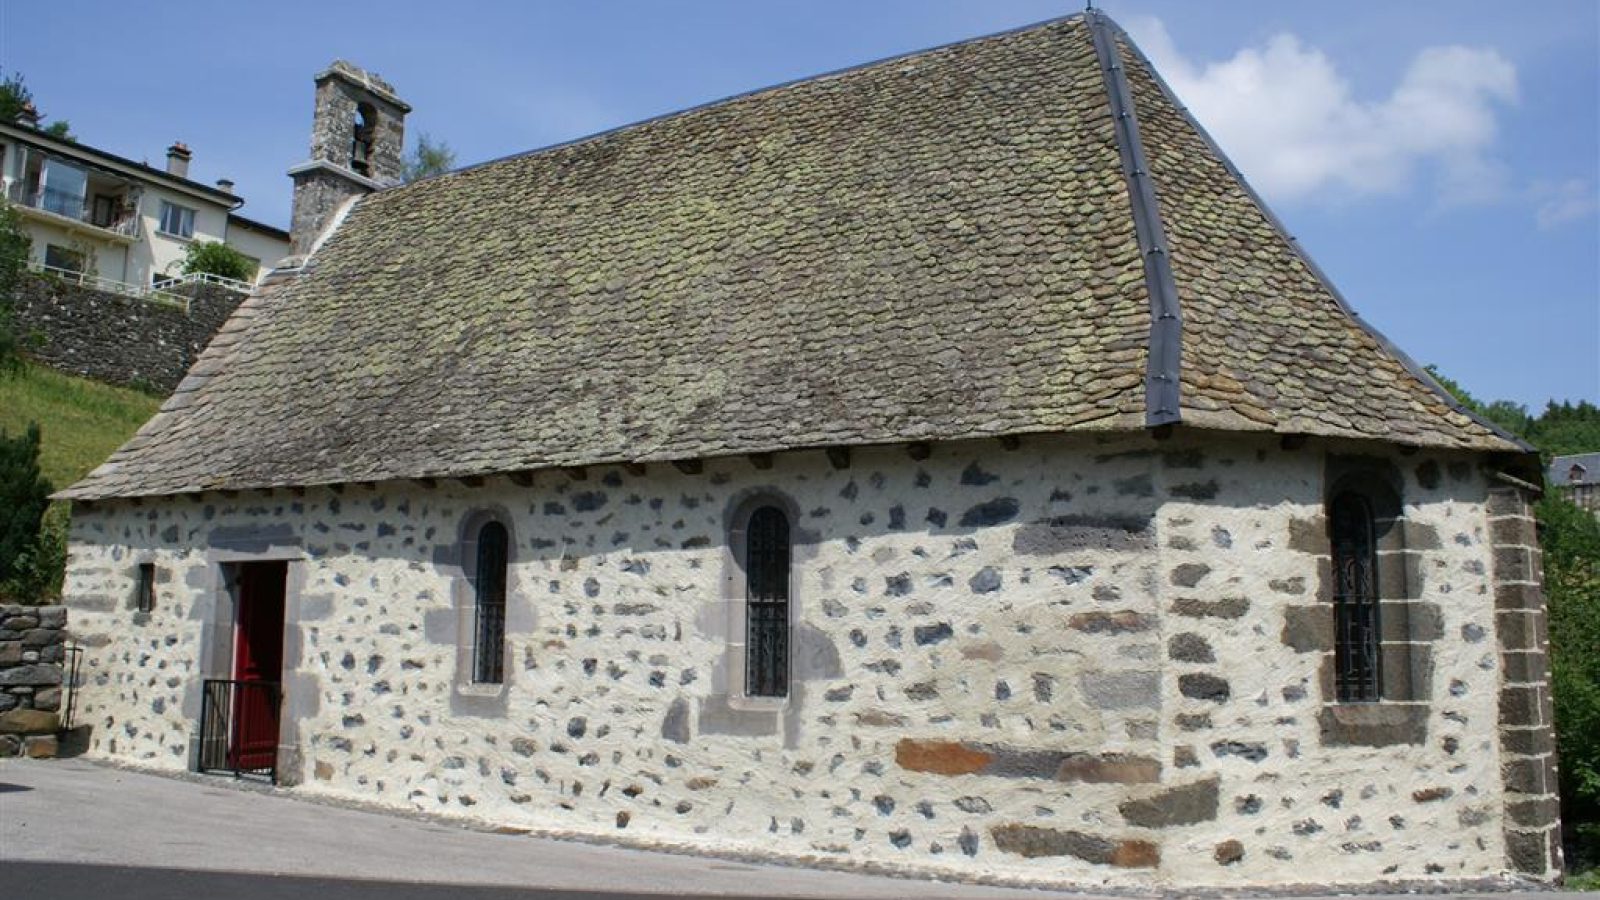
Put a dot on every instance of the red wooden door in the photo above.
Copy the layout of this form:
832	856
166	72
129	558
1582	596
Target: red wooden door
257	658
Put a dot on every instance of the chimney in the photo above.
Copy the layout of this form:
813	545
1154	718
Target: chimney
178	157
225	184
28	115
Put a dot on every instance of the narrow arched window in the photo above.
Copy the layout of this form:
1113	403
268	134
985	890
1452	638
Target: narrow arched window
1357	662
489	610
766	568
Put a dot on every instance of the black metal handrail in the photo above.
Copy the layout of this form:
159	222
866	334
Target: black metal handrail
239	728
71	662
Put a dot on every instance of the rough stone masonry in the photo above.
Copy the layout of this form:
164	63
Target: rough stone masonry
1085	660
32	654
123	340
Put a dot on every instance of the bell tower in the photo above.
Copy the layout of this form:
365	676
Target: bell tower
357	138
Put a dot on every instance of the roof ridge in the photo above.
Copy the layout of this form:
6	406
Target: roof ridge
793	82
1161	393
1383	342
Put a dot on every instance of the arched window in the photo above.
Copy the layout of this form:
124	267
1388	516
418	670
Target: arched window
1358	671
766	568
489	610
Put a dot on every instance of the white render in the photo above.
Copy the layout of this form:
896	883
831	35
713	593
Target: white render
618	616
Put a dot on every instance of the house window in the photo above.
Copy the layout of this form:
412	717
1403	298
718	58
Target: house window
177	220
766	567
489	611
1357	662
62	188
145	596
63	259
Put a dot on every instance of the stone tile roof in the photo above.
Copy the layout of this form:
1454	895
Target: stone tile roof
933	247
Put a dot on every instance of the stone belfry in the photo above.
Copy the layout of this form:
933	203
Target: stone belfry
357	138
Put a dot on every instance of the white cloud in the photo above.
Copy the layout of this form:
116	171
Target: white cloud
1567	201
1289	118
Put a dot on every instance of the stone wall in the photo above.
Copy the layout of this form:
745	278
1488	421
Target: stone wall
1084	661
118	339
32	650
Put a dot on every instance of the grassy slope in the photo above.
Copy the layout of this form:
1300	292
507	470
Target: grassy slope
81	421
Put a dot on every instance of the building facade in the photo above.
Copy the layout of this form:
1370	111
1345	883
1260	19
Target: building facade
947	465
90	212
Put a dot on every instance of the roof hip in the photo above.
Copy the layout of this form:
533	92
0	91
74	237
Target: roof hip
1161	388
1099	23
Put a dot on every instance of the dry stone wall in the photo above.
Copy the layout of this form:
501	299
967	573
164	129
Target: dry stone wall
1083	661
115	338
32	654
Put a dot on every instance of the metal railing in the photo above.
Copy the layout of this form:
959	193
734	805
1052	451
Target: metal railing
239	728
164	293
71	664
70	205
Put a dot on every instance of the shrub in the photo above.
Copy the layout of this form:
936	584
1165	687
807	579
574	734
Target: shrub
217	258
24	496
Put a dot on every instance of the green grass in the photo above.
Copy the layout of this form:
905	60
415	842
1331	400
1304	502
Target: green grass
1585	881
80	421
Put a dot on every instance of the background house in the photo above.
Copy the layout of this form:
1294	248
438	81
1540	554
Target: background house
1578	477
94	212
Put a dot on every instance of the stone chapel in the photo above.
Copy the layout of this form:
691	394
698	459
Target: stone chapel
947	465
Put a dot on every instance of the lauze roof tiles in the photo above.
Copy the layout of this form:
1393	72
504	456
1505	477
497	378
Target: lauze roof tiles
933	247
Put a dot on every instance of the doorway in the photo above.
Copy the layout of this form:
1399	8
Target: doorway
240	714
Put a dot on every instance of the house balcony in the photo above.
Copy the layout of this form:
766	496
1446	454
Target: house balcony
105	216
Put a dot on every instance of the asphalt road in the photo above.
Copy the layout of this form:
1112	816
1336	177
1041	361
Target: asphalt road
72	828
72	881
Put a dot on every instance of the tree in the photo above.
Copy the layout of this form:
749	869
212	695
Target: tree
14	95
217	258
427	158
14	245
1567	428
1570	537
24	496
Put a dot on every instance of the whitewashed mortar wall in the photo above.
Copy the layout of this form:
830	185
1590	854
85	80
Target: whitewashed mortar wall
616	720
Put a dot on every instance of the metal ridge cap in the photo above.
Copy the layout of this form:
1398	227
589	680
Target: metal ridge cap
1102	20
1165	357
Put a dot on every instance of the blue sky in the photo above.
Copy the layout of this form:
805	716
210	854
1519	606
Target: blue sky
1441	160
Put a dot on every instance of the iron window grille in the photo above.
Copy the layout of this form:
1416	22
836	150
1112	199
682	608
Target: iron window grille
1358	664
489	608
767	603
145	596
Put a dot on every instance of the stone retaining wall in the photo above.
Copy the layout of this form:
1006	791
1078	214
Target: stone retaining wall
1100	661
32	651
118	339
